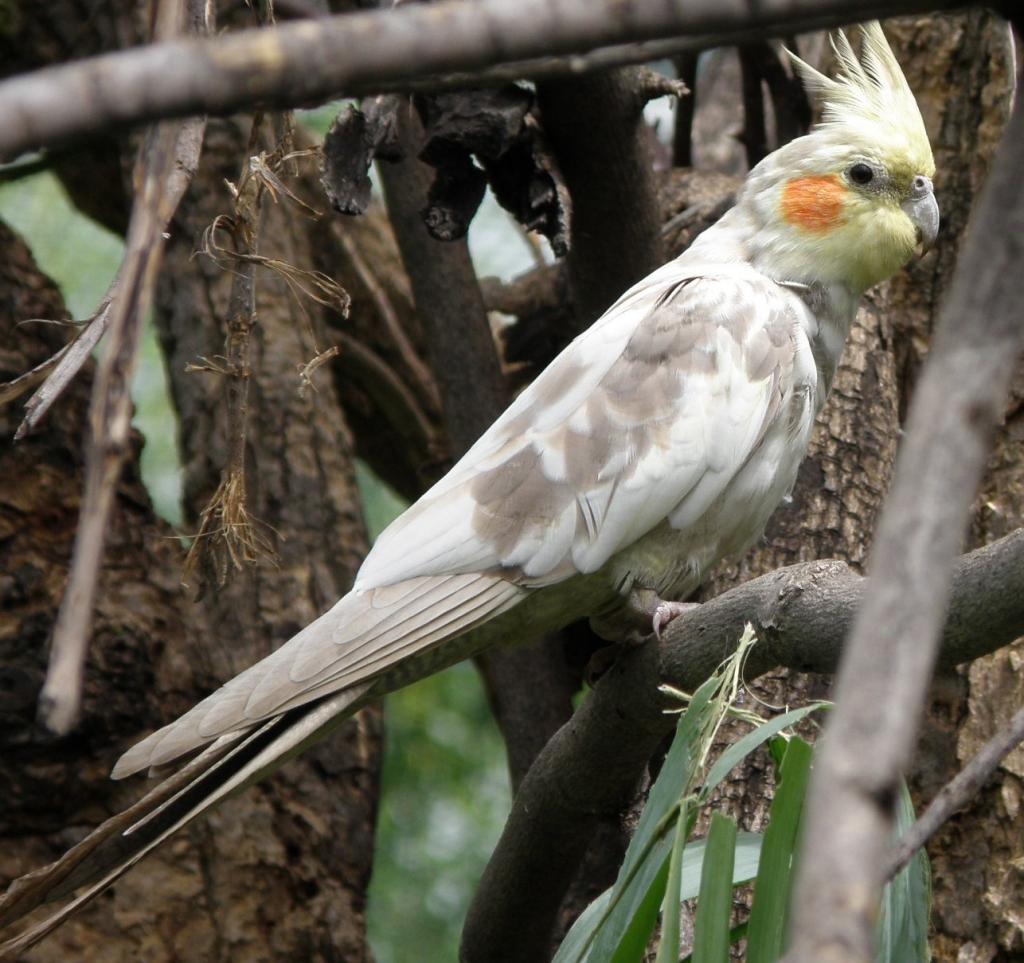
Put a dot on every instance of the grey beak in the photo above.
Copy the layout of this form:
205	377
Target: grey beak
923	211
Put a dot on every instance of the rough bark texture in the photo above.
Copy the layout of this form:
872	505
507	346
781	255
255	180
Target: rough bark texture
55	789
279	873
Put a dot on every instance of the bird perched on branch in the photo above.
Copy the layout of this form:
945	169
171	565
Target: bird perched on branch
655	444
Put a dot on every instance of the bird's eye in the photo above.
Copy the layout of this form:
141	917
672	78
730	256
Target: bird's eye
861	174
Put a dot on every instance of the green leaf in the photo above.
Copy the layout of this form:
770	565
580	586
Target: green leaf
902	933
599	936
769	910
643	906
668	947
748	854
714	904
742	748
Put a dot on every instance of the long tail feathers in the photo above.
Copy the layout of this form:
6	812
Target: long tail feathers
259	720
226	766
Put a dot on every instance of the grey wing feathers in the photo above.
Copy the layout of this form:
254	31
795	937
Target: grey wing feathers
363	634
666	393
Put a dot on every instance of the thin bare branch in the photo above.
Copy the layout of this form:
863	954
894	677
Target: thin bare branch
396	400
308	61
957	793
229	537
161	182
882	683
109	422
423	381
66	364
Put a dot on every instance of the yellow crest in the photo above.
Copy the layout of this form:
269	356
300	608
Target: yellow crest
870	101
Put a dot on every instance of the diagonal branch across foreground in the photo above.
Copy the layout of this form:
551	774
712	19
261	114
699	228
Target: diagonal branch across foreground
887	664
308	61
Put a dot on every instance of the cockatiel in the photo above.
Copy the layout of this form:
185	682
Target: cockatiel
655	444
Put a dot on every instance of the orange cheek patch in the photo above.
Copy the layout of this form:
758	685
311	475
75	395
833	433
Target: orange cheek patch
813	203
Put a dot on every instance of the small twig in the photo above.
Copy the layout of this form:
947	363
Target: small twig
160	180
392	393
651	85
682	136
227	538
60	369
311	367
424	382
959	791
755	134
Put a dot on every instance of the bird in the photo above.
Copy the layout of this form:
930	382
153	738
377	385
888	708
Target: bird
657	443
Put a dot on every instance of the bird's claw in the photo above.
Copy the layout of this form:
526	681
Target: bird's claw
665	612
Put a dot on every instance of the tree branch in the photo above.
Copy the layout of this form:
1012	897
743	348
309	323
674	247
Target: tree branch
596	127
311	60
881	688
590	769
160	186
957	793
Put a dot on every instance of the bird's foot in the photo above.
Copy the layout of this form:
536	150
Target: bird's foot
642	613
665	612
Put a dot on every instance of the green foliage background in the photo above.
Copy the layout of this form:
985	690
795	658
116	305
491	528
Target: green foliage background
445	785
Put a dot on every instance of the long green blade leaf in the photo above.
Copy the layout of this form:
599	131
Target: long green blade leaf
902	934
769	910
632	943
642	877
668	948
748	854
714	904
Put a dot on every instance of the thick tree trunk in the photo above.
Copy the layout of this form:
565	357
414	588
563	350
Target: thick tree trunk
281	872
